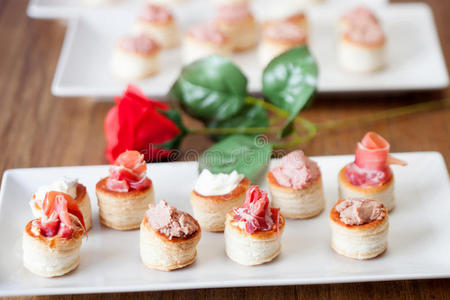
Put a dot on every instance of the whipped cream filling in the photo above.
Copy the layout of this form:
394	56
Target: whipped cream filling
209	184
64	185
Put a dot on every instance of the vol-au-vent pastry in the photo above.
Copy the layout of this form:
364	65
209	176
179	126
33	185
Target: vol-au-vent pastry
203	40
214	195
359	228
370	176
51	243
296	186
158	23
362	41
253	231
297	18
168	238
124	196
135	57
237	22
278	37
68	186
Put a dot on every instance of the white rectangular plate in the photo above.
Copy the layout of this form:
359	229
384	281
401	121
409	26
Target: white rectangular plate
419	236
60	9
414	55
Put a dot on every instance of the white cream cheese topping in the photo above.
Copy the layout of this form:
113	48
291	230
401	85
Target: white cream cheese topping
209	184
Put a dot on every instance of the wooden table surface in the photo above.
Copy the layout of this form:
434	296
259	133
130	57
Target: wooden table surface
38	129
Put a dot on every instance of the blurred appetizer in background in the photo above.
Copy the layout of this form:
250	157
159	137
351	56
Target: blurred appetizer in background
124	196
237	22
203	40
362	41
359	228
214	195
168	238
135	57
67	186
231	2
370	175
296	186
51	243
158	23
280	36
253	231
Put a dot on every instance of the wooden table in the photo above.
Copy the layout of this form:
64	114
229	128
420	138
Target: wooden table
38	129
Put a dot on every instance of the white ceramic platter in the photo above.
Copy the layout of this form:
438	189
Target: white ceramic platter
413	52
61	9
419	236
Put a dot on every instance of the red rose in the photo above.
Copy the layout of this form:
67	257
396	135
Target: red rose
138	123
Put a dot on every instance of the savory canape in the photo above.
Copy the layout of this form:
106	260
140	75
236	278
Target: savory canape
51	243
68	186
298	18
296	186
253	231
168	238
124	196
362	42
359	228
278	37
370	176
135	57
203	40
158	23
214	195
238	23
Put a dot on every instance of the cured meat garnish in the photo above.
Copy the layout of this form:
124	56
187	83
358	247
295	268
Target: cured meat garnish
372	160
128	173
256	213
58	211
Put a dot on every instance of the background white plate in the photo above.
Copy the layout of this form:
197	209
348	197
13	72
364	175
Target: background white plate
60	9
414	55
419	236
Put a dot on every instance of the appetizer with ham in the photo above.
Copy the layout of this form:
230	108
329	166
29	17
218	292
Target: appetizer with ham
159	23
168	238
124	196
279	37
370	175
253	231
362	41
238	23
359	228
296	186
203	40
214	195
68	186
51	243
135	57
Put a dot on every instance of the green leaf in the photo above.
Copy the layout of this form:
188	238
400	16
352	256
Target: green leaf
250	116
212	88
290	81
247	155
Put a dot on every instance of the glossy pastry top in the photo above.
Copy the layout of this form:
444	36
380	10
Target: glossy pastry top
256	214
360	211
60	216
208	32
155	14
170	221
372	160
285	31
296	170
140	44
209	184
128	173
